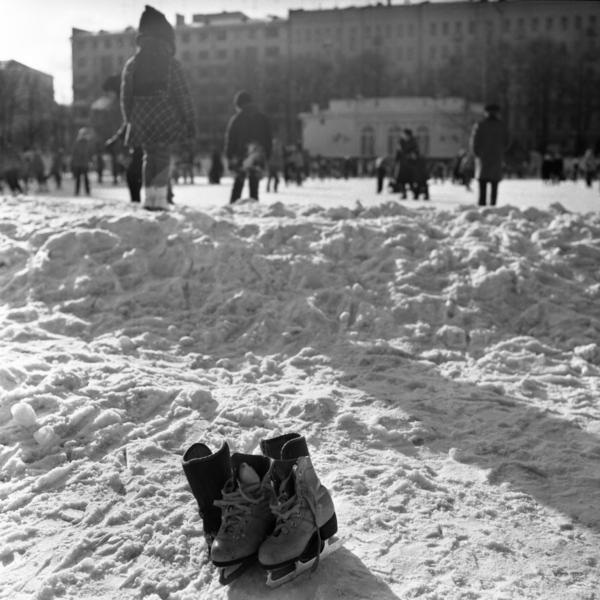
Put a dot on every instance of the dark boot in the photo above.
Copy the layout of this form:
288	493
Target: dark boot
287	447
207	474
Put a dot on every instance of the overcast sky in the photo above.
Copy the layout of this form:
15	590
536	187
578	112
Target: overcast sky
37	32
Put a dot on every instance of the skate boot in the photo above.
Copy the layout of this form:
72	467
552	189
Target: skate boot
306	522
246	516
207	473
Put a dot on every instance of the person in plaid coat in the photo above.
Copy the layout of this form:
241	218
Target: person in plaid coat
156	104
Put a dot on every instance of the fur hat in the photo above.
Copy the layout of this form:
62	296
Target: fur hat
242	98
154	24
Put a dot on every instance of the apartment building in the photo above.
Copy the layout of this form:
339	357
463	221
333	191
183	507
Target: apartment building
226	51
27	103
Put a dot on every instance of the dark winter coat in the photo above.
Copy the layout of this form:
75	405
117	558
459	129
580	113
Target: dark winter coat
81	154
247	128
487	145
155	99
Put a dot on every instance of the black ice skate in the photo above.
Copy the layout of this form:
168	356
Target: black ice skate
207	473
246	516
306	522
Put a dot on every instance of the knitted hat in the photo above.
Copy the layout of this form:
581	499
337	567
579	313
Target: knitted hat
154	24
492	108
242	98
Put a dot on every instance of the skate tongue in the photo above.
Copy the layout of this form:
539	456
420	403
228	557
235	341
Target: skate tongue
247	475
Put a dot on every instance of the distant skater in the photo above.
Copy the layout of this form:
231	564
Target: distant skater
80	161
248	145
487	145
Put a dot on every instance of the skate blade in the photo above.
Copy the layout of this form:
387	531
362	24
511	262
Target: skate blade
230	573
281	575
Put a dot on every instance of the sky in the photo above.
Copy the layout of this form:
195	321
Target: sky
37	32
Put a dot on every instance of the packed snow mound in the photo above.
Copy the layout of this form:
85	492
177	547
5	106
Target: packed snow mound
444	367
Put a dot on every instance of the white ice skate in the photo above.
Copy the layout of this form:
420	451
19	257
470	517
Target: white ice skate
306	522
246	517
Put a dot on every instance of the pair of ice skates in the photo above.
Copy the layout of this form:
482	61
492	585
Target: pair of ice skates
269	508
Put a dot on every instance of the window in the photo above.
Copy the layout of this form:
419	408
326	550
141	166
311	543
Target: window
202	36
534	24
185	56
564	23
272	32
393	137
272	51
203	55
107	43
506	25
445	28
410	52
401	30
367	142
458	28
411	29
549	23
221	54
400	53
185	37
578	22
432	52
433	29
106	64
423	140
471	26
81	61
221	34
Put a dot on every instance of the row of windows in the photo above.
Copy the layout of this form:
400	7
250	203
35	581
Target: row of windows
204	35
225	53
534	24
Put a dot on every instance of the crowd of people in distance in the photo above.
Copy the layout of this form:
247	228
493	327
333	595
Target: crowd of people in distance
155	145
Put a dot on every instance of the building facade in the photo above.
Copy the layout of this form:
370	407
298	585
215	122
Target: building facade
27	107
417	42
369	127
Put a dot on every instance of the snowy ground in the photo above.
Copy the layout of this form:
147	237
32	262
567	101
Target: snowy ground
442	360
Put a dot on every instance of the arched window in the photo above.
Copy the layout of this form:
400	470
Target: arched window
392	141
367	141
423	140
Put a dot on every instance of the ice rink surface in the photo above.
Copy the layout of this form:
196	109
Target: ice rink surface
522	193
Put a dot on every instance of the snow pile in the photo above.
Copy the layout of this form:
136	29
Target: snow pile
444	367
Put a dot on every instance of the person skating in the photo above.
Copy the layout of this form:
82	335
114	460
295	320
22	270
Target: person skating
215	171
487	145
80	161
156	104
248	145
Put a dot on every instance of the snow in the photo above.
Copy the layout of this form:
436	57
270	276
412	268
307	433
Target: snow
443	362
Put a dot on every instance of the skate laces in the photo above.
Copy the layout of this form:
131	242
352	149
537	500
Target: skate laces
284	510
289	507
236	505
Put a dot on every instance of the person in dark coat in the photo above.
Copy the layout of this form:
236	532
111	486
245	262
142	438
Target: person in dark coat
215	171
156	104
80	161
487	145
56	167
12	167
248	143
